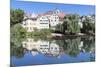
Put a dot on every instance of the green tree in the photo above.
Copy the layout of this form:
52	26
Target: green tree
18	34
17	51
66	26
16	16
40	34
88	25
59	27
71	23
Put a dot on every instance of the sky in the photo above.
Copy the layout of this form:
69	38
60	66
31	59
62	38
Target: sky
41	7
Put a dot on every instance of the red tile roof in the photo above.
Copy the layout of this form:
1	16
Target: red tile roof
61	15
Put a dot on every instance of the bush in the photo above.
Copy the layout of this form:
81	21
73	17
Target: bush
18	34
40	34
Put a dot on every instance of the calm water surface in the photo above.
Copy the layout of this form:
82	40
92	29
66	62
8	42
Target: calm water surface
39	52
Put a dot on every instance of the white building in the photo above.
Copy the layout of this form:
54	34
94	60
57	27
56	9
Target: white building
42	21
54	17
30	24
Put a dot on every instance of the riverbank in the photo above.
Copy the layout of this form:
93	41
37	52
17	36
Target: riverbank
62	36
46	34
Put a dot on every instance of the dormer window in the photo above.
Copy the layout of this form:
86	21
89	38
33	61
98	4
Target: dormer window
40	20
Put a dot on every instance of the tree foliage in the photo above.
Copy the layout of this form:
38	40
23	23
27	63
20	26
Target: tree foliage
17	51
88	25
71	23
18	33
16	16
59	27
40	34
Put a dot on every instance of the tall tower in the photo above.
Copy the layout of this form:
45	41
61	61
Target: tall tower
33	15
56	11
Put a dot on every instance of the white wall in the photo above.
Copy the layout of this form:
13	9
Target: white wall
29	25
43	22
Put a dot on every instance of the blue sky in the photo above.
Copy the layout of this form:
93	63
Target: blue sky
40	7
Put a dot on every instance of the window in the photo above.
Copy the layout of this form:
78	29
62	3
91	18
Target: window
51	47
45	48
30	40
43	23
46	20
51	20
40	20
30	28
40	48
56	48
25	44
26	23
56	17
42	17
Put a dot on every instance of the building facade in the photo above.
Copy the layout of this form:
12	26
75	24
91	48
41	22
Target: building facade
42	21
29	24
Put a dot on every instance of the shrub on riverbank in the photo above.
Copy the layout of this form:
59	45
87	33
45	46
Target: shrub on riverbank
40	34
17	34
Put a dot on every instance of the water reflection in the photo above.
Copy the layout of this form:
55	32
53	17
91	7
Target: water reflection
75	49
17	51
45	47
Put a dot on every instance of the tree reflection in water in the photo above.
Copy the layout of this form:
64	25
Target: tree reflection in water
89	44
17	51
54	48
72	47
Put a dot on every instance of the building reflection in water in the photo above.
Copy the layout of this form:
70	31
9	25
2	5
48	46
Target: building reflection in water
54	49
44	47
